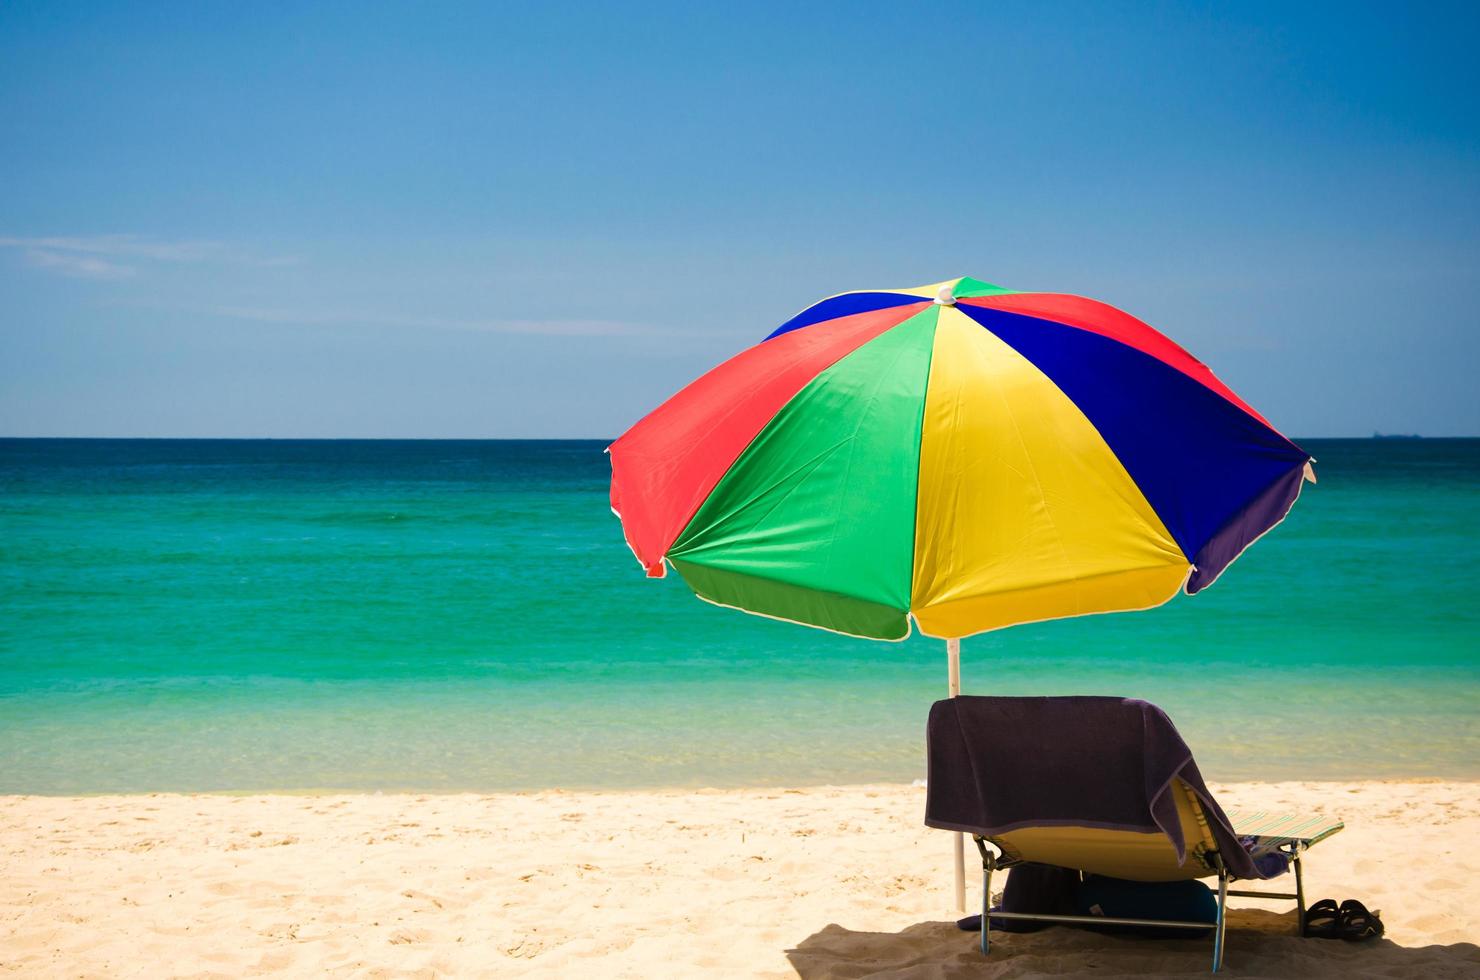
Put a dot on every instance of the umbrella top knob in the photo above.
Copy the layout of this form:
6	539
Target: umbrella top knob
946	296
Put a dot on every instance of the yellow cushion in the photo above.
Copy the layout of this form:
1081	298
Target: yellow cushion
1119	853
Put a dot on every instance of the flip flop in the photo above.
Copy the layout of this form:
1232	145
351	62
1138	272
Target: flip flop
1323	920
1358	924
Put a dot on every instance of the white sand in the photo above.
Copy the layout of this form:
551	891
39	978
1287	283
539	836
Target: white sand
826	882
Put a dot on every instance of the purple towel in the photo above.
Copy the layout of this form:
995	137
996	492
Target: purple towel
997	764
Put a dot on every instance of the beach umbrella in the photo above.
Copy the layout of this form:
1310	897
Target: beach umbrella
958	455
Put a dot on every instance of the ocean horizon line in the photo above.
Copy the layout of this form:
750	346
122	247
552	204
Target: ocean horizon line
605	439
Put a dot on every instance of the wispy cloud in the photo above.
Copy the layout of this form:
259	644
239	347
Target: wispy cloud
122	256
545	327
77	265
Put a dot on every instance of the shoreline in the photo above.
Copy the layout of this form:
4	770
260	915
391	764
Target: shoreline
776	882
644	790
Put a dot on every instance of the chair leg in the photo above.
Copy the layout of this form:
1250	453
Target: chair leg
1222	918
986	905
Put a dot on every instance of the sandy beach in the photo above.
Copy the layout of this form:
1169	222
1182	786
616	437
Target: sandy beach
818	882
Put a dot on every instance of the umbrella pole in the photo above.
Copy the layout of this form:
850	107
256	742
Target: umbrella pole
953	683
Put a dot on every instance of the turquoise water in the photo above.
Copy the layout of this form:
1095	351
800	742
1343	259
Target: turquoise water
245	615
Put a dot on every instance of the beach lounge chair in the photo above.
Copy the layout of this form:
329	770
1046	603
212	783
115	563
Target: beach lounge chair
1103	786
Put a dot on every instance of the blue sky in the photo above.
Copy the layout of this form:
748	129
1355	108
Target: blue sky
424	220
